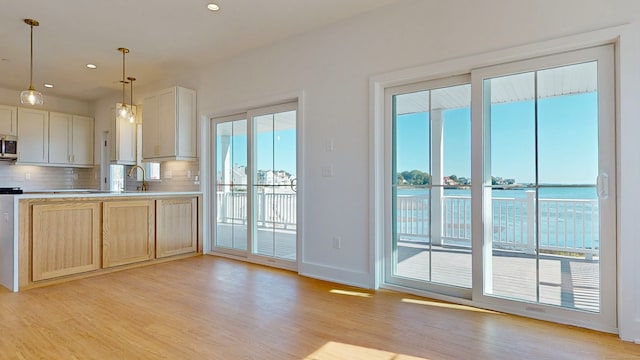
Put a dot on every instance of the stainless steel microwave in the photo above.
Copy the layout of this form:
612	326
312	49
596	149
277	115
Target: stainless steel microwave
8	147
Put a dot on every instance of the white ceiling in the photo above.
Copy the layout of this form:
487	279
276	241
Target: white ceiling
165	37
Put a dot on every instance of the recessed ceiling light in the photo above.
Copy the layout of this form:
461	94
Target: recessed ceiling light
91	66
213	7
48	86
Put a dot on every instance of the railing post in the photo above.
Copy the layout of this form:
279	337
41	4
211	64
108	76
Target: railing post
531	222
222	206
437	181
262	214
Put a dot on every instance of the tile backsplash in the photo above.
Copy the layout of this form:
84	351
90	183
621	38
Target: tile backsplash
174	176
32	178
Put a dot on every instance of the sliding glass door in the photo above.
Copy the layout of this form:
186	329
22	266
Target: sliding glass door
501	187
430	245
256	185
231	185
274	182
548	189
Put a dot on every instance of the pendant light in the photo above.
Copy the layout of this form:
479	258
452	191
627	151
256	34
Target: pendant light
124	112
31	96
132	117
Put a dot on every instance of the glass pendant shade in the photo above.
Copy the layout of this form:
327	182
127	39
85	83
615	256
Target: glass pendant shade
31	97
132	117
124	112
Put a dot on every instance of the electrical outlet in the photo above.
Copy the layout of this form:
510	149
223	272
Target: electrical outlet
327	171
328	146
337	242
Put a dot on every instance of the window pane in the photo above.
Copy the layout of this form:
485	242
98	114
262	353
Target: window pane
432	198
512	129
116	177
231	179
543	200
568	125
455	107
275	196
412	138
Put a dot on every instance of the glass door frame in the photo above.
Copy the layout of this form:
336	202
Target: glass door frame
606	319
390	246
252	139
214	184
249	254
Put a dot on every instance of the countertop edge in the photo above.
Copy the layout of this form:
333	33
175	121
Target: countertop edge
46	195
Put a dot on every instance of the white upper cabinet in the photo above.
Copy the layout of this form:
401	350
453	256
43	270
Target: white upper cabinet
169	125
70	140
33	136
8	120
55	139
60	138
123	140
82	140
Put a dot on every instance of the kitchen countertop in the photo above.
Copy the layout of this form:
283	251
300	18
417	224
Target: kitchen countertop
90	193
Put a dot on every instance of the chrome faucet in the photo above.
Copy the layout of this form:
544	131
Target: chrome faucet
144	183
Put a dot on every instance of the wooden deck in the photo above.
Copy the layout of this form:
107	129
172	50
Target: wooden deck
570	282
278	243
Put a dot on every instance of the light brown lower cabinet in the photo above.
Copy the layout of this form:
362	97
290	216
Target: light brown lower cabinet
66	239
176	226
61	237
128	232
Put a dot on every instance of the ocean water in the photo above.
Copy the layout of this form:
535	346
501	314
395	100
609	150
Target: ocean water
521	193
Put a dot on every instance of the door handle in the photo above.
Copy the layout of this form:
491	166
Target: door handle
602	185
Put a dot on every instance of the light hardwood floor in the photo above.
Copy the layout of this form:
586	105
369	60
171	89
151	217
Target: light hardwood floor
214	308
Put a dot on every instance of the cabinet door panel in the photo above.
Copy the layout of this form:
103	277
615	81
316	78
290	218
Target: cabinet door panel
167	123
83	136
186	127
65	239
60	138
128	232
177	226
8	120
33	135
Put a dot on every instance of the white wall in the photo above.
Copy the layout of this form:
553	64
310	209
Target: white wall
332	66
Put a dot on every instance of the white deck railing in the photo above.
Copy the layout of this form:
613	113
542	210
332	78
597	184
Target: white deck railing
567	225
273	210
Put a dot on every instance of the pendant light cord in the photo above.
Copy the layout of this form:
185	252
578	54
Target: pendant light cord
31	61
124	104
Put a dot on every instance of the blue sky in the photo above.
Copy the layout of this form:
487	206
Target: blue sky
275	151
567	141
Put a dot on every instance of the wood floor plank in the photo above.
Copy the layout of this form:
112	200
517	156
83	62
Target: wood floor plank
215	308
